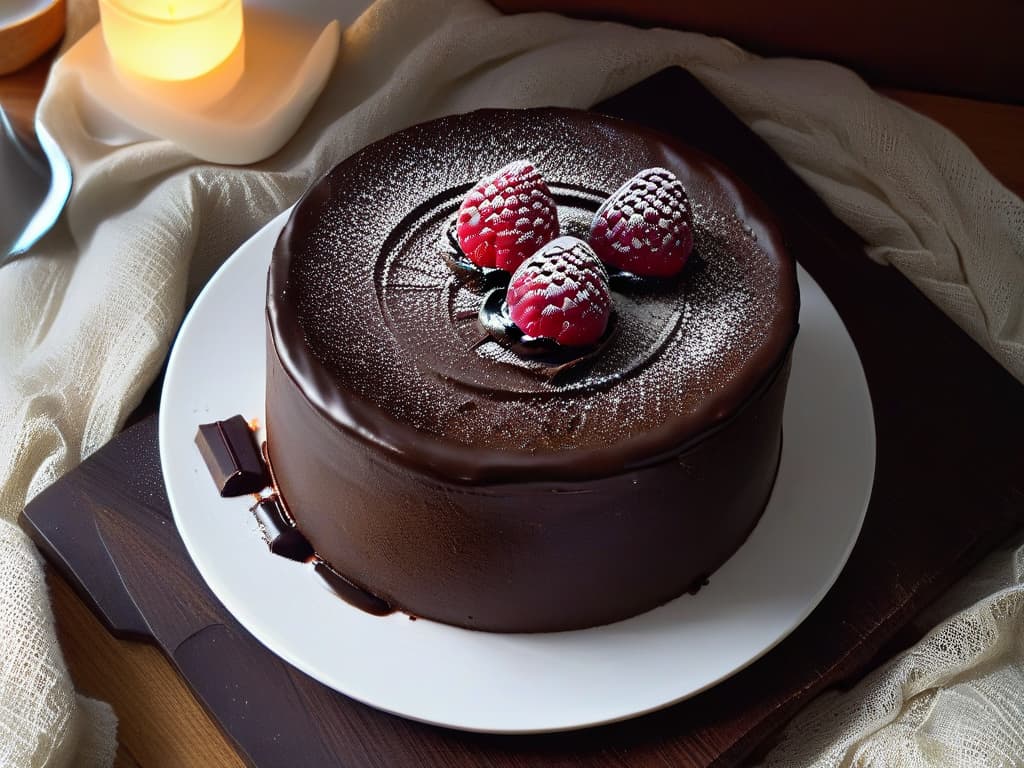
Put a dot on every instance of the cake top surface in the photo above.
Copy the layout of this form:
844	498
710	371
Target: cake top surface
382	336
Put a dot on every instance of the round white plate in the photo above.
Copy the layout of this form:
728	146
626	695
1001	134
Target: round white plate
519	683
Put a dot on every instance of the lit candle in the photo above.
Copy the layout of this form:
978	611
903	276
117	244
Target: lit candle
172	40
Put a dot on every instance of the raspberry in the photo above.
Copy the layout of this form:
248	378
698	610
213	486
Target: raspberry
506	217
646	226
561	293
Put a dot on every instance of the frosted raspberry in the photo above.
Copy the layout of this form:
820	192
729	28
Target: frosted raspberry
506	217
561	293
646	226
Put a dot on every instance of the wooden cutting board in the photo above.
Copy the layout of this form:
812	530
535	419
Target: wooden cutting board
949	486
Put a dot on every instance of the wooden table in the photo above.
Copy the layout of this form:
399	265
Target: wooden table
160	722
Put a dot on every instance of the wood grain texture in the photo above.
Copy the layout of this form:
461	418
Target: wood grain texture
947	490
969	49
19	96
160	724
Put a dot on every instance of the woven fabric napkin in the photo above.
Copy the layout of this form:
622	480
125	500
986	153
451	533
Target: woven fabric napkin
88	317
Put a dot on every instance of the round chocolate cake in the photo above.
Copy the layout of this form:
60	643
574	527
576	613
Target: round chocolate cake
446	473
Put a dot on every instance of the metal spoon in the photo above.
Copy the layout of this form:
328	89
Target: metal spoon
35	182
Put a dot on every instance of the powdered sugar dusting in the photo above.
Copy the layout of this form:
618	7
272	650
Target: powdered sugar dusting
646	226
561	292
381	310
507	216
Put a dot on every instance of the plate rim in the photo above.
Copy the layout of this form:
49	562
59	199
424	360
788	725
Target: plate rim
269	231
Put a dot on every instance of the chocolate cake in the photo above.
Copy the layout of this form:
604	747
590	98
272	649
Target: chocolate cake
461	481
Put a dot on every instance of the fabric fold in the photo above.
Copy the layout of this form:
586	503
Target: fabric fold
89	315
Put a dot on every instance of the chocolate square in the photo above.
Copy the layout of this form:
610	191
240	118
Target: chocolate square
229	449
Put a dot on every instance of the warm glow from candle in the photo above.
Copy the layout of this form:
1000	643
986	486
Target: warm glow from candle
171	39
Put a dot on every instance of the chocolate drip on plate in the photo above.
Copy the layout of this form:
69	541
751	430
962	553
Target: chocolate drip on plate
355	596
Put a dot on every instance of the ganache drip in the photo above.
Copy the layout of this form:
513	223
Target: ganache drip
352	594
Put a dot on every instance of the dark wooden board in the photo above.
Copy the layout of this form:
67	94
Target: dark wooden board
948	487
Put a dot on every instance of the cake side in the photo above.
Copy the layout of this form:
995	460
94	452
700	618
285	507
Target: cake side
523	557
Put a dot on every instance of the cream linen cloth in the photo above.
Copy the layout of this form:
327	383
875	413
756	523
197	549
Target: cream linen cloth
86	320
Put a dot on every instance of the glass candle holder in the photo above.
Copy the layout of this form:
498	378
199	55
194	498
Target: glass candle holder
171	40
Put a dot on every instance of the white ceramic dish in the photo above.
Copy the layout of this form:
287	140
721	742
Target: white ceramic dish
519	683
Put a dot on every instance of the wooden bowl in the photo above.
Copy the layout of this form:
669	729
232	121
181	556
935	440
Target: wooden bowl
27	33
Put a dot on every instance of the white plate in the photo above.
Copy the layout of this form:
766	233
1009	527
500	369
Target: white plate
519	683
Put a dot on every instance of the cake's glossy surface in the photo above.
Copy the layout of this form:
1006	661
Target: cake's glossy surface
453	478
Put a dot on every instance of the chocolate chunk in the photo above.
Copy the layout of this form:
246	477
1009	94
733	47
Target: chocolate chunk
698	584
282	537
229	450
352	594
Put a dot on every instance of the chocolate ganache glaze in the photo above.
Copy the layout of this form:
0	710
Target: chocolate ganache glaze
444	473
